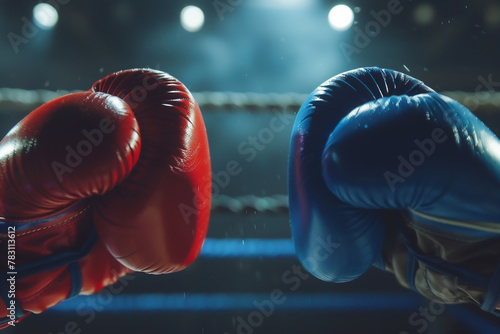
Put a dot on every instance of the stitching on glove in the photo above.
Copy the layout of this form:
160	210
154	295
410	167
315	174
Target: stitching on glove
55	225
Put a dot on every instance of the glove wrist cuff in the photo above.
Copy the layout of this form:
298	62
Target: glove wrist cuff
482	228
56	219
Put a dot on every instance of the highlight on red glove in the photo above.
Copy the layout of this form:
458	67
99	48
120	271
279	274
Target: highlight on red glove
94	186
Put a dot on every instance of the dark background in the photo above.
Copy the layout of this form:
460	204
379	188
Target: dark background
263	47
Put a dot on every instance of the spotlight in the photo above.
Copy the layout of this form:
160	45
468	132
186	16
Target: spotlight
192	18
424	14
341	17
45	16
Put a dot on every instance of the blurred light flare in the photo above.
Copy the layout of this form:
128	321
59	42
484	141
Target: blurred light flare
341	17
424	14
492	16
45	16
192	18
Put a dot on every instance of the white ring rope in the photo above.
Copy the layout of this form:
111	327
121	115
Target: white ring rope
22	99
275	204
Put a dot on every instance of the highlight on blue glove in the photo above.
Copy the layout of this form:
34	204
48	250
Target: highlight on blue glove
385	172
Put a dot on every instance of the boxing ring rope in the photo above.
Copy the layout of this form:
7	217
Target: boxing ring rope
16	98
276	204
216	302
245	302
247	248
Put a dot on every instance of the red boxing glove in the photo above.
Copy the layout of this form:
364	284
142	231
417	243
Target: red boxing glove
99	184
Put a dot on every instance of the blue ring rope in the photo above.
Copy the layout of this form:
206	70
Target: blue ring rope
247	248
106	302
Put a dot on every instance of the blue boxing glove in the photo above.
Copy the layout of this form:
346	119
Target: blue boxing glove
384	171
